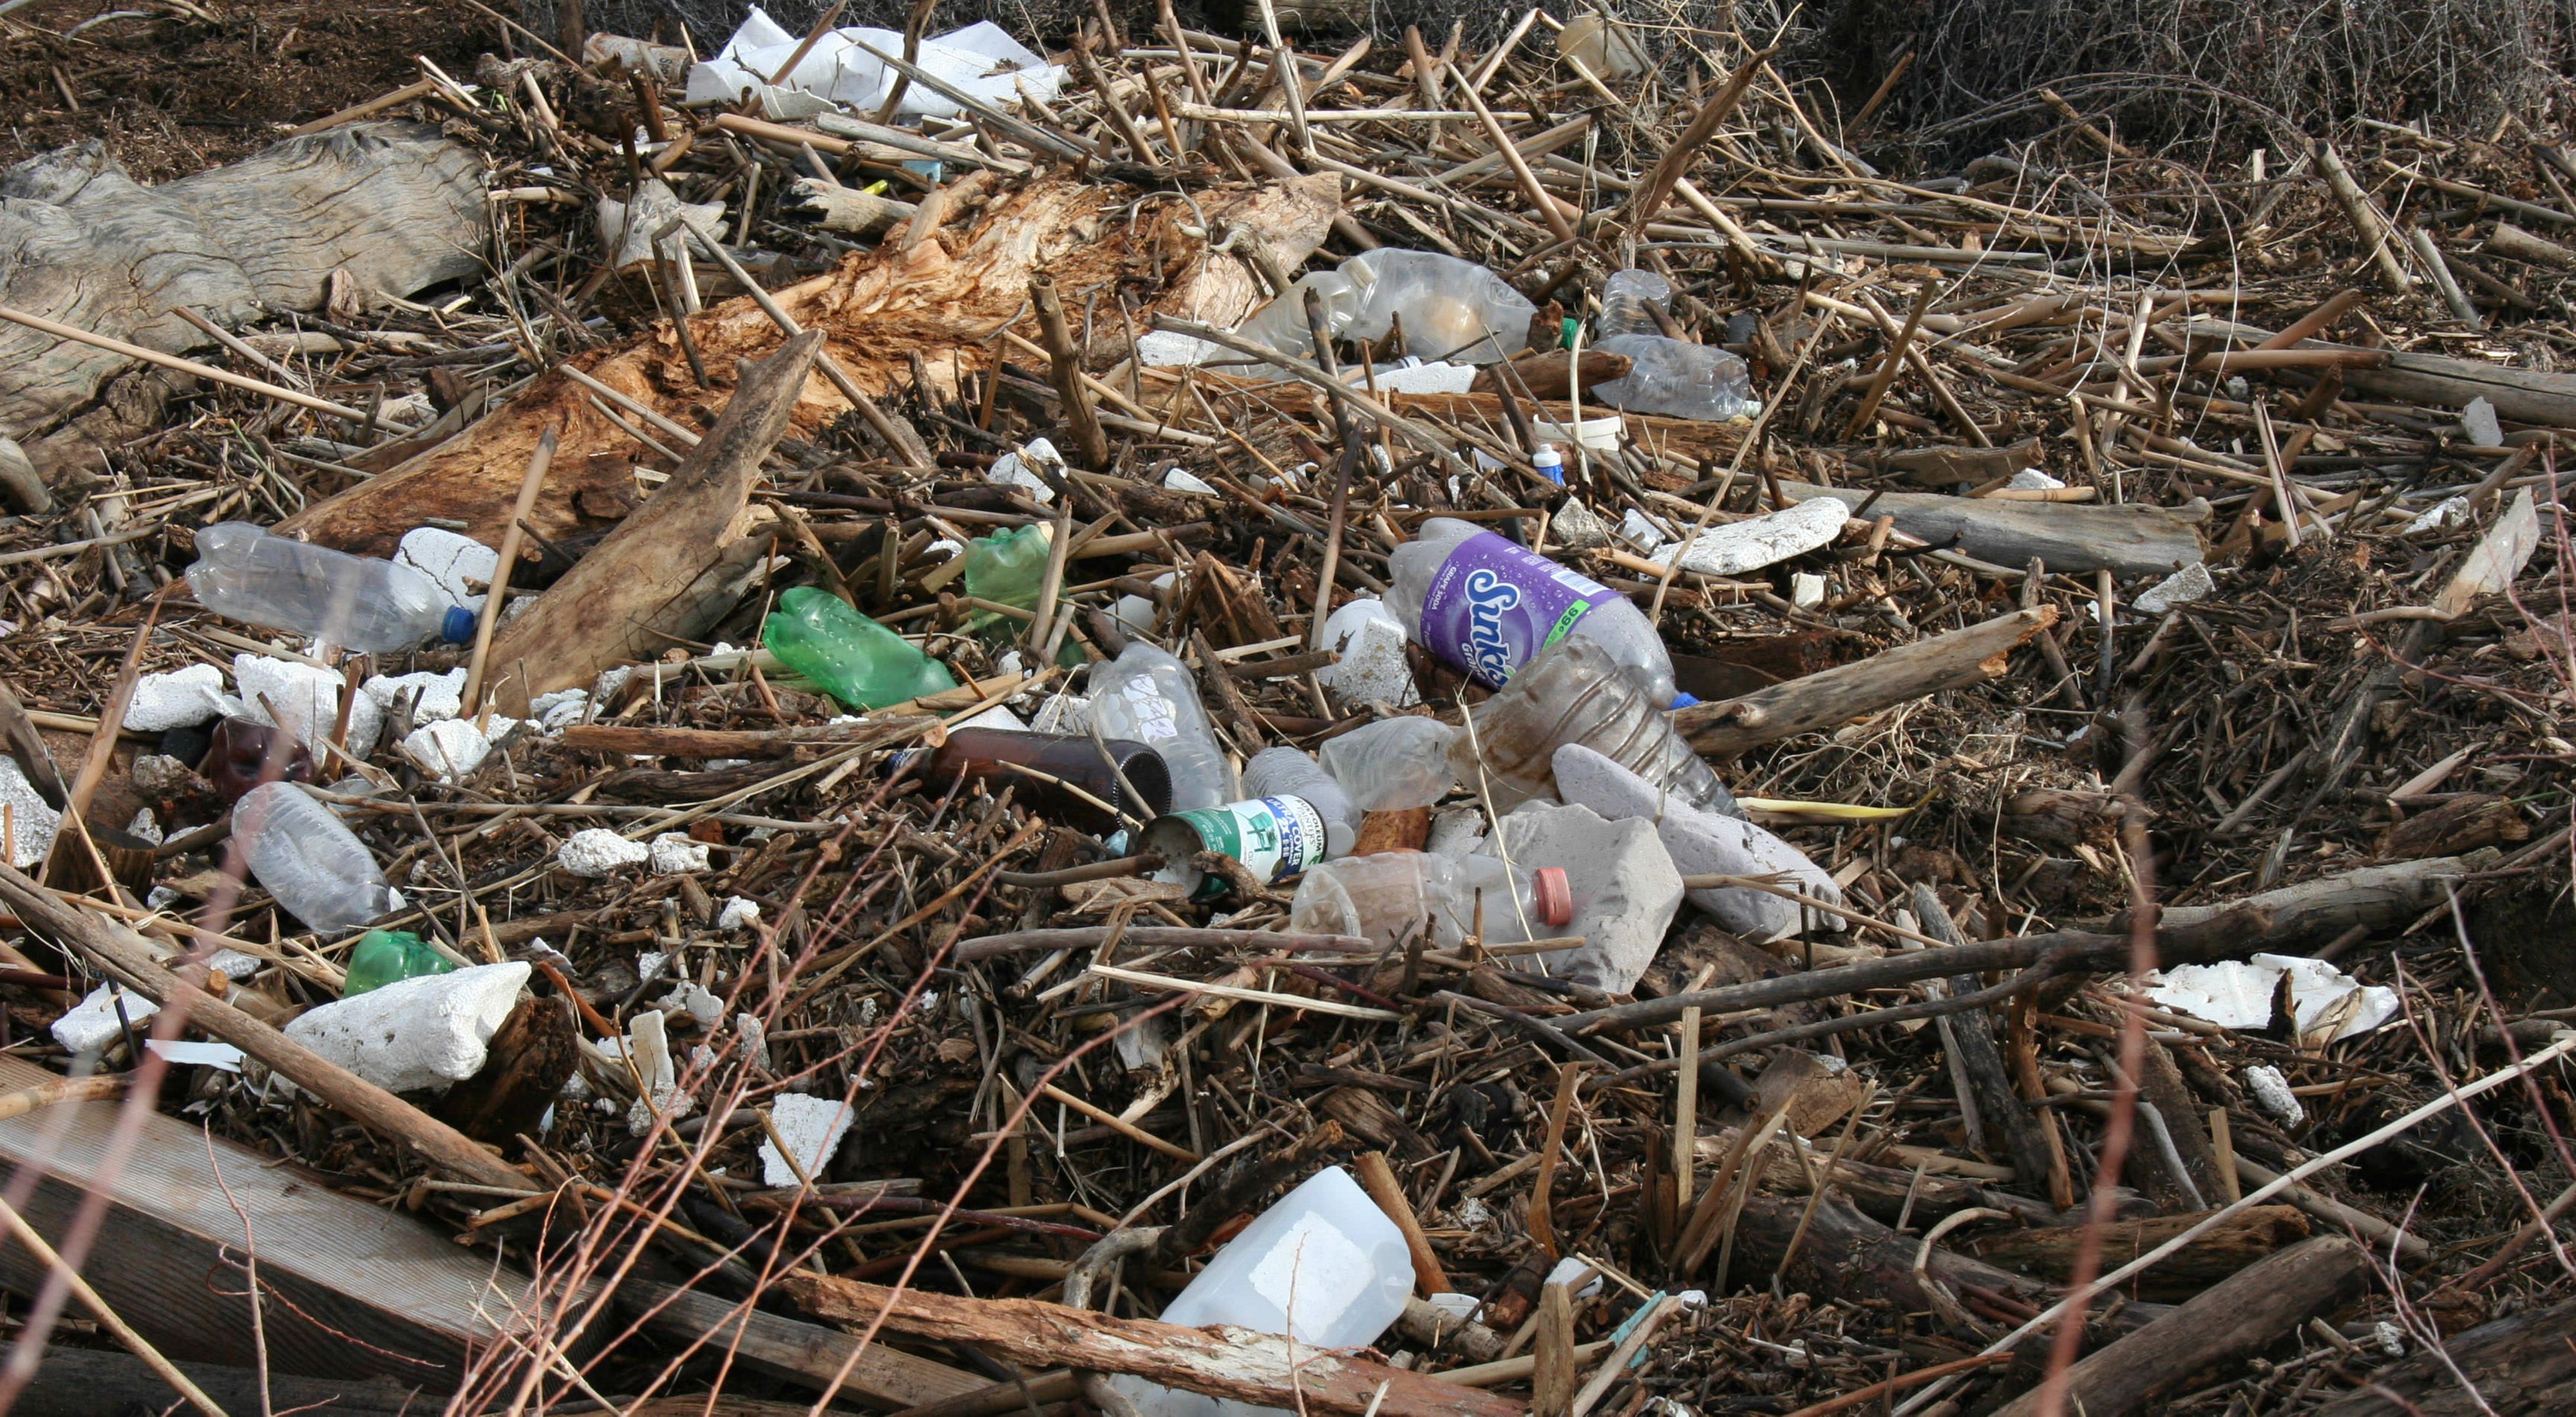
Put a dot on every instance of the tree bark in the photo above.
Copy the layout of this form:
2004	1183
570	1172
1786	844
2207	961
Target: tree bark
1828	699
2523	1366
2131	539
2243	1239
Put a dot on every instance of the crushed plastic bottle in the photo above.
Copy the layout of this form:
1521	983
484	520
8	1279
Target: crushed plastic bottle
382	956
1488	607
1146	695
1394	764
856	660
1323	1266
1670	377
306	857
1275	772
356	602
1388	896
1576	691
1007	568
1451	309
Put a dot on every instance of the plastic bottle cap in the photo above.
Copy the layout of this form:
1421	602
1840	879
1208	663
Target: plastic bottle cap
1681	700
458	627
1553	894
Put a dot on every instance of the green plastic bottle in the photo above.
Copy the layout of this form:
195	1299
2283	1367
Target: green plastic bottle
856	660
1008	568
383	956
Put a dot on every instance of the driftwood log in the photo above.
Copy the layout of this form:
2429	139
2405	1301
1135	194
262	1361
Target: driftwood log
2229	1322
2242	1239
2129	539
806	1354
673	566
385	207
1834	696
1262	1369
876	311
2523	1366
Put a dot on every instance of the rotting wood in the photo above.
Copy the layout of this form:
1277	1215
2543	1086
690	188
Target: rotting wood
1834	696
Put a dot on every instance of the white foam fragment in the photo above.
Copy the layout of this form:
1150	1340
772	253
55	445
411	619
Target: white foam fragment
2183	587
452	748
1436	377
434	695
648	1043
559	710
739	913
1374	668
2031	479
2272	1095
1178	480
451	560
32	822
674	854
181	698
306	702
90	1025
701	1005
2445	514
812	1127
1762	541
628	227
597	851
1577	527
755	1040
1165	349
2240	994
424	1032
182	1052
2479	422
145	827
1806	590
1017	469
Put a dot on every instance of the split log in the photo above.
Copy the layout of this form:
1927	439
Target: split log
2523	1366
807	1354
2521	395
2233	1320
1266	1370
2129	538
358	1291
2242	1239
1953	466
1835	696
2313	912
672	568
85	1382
876	310
395	206
2460	825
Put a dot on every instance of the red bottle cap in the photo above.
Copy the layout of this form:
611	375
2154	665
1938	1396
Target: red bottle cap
1552	894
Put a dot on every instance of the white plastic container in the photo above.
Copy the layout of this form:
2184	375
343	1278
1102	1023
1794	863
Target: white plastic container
307	858
356	602
1324	1266
1489	606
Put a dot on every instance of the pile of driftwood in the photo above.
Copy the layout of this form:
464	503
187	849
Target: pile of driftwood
2203	596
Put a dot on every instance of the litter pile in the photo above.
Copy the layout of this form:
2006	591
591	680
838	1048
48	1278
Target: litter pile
897	720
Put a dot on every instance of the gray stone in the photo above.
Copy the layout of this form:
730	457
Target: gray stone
1702	843
1626	889
2479	422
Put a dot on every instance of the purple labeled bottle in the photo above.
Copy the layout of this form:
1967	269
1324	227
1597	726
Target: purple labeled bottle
1488	606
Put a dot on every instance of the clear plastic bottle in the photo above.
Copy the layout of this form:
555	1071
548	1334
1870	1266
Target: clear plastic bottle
1324	1266
1488	607
1387	896
856	660
1506	904
356	602
1146	695
1576	691
1393	764
1624	301
1292	772
306	857
1451	309
1677	379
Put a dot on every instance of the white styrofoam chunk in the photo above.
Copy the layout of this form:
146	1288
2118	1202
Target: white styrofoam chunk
2272	1095
1165	349
1436	377
597	851
741	912
812	1127
2443	515
32	822
180	698
2183	587
1016	469
182	1052
1577	527
451	560
434	695
308	697
1806	590
1374	668
1178	480
424	1032
91	1024
755	1040
2240	994
2031	479
648	1042
2479	422
1765	540
674	854
700	1003
452	748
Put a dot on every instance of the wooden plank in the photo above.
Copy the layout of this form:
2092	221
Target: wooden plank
403	1301
799	1352
2129	538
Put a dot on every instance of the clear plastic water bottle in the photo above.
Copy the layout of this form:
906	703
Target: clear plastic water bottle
1394	764
1488	607
856	660
1504	904
1451	309
1290	771
356	602
1577	691
1146	695
1324	1266
1670	377
305	856
1388	897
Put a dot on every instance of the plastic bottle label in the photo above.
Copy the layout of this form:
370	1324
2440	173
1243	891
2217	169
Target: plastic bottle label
1271	836
1492	606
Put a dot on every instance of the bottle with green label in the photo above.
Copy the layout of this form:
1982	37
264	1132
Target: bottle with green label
382	956
856	660
1273	837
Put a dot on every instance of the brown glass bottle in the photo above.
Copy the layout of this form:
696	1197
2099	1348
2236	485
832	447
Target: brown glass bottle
997	757
245	754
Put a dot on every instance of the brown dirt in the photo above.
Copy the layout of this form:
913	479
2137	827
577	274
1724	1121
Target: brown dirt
172	95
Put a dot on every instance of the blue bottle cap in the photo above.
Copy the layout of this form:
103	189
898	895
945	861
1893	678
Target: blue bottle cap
1681	700
458	628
